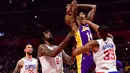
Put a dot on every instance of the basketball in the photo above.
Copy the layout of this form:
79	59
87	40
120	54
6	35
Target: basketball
67	19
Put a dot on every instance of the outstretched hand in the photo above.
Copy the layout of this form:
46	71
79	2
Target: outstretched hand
74	3
70	6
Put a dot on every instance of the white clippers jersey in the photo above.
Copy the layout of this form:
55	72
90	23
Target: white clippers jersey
29	66
105	58
50	64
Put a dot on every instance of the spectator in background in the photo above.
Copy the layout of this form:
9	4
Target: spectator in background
127	67
28	63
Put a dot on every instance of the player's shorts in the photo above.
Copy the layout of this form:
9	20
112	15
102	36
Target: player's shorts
85	64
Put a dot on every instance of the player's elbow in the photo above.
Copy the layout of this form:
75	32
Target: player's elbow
94	6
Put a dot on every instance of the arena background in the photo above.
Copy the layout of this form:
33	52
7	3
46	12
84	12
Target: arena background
21	22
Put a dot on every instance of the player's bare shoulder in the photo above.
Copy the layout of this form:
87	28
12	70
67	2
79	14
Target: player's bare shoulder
20	62
19	65
110	36
41	45
41	48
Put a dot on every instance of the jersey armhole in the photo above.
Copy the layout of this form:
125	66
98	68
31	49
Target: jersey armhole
98	41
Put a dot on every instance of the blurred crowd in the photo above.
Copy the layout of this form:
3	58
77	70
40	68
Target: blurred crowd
8	58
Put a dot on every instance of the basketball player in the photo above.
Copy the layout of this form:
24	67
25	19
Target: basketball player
82	34
95	27
82	66
103	51
51	56
27	64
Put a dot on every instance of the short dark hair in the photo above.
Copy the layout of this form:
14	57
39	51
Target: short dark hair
43	35
27	44
103	29
79	10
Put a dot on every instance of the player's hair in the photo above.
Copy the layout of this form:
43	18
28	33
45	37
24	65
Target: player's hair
103	29
79	10
27	44
42	36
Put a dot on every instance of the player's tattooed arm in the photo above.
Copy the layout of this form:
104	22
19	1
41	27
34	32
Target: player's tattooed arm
90	45
67	59
91	13
43	49
18	66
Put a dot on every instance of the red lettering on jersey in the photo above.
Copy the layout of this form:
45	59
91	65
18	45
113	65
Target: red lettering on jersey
57	60
109	55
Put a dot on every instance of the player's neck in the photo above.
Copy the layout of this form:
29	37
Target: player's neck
104	38
28	56
49	43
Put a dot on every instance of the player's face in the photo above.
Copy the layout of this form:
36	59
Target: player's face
81	14
29	49
82	18
48	36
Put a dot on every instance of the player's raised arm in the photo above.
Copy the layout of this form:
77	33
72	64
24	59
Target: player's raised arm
73	21
90	45
18	66
91	13
43	49
95	27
